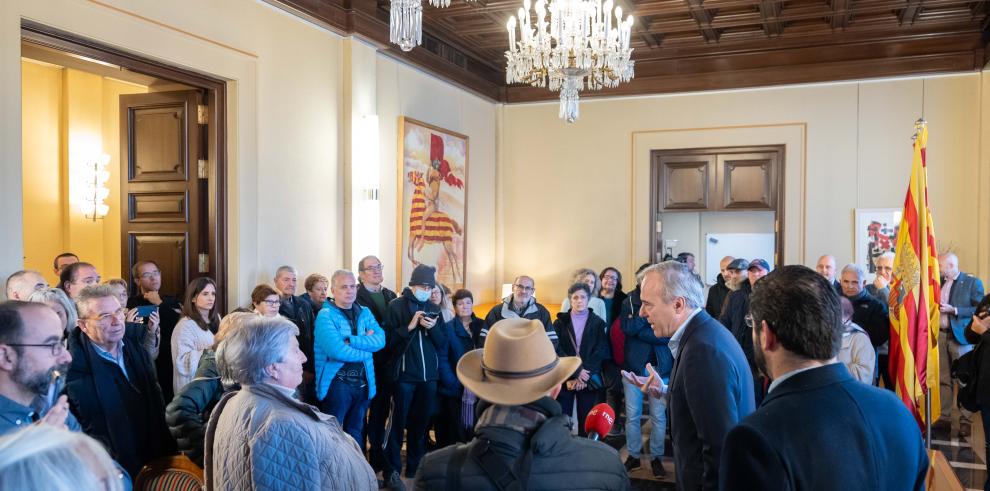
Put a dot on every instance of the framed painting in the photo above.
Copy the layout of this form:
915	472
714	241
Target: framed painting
876	234
432	202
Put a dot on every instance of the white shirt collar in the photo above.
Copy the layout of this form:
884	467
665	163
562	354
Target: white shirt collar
790	374
675	340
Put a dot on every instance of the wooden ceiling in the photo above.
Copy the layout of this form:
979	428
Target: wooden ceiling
690	45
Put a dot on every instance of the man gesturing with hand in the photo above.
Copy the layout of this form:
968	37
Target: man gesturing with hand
711	386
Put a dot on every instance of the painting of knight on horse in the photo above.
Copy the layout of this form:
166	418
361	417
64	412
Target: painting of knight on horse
434	199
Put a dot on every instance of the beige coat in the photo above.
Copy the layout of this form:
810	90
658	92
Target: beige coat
259	438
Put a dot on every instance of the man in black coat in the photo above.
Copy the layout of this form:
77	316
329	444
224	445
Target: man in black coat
711	386
718	291
413	371
147	277
523	440
376	297
111	384
818	428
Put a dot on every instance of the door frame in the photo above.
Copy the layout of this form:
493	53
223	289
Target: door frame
656	180
216	101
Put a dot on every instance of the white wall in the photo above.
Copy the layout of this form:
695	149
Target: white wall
847	147
283	115
406	91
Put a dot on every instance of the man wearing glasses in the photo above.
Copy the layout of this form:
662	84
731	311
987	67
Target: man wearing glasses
147	277
31	349
520	304
375	296
112	386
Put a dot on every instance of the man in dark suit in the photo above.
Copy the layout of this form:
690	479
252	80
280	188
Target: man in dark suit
376	297
818	428
711	386
961	293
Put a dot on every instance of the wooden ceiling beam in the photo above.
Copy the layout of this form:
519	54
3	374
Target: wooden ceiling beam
770	11
704	19
910	12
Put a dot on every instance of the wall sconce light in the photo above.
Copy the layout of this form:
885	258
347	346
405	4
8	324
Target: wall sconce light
89	186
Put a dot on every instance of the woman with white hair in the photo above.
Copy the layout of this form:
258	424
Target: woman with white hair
261	437
43	457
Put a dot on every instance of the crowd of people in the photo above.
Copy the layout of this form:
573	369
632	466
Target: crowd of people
325	389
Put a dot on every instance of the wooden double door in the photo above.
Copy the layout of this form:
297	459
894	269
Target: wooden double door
170	187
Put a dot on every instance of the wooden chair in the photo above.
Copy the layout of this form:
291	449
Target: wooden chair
172	473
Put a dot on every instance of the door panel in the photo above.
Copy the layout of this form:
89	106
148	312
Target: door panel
747	180
686	182
168	250
160	147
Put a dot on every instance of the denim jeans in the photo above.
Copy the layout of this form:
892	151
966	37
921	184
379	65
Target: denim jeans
658	421
348	404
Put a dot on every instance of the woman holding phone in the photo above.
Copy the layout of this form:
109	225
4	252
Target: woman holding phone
194	332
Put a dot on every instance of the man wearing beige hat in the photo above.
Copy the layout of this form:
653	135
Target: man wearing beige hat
523	441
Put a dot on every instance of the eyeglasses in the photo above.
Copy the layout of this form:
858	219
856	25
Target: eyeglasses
749	321
524	288
610	277
150	274
106	318
373	269
57	347
272	303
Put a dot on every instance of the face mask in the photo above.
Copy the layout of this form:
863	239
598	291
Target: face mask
421	295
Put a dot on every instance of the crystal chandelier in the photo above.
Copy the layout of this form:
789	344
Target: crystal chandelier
406	22
578	48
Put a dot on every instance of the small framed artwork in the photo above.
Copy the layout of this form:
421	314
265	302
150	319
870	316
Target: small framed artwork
876	234
432	214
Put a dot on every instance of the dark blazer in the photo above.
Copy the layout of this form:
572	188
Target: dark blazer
967	291
821	429
711	389
127	415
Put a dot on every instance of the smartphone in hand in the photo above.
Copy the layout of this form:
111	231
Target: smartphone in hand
145	311
55	387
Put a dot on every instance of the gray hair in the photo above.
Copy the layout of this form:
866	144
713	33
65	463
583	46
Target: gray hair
338	274
678	281
854	268
247	351
46	457
50	296
90	293
887	255
285	269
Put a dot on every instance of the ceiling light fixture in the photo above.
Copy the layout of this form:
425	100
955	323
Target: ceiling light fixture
578	48
406	22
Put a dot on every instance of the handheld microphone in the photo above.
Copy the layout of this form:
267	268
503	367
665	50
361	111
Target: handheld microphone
599	421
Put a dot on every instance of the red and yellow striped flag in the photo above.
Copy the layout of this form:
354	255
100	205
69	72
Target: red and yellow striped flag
914	295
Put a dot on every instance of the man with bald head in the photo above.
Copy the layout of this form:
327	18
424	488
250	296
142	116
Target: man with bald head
718	291
961	293
22	284
826	268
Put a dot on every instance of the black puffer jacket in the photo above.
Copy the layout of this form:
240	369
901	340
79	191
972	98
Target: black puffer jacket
716	297
560	460
189	412
734	319
414	356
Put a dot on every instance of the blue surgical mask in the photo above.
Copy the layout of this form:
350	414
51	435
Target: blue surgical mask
421	295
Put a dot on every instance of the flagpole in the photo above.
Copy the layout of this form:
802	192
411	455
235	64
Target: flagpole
922	238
